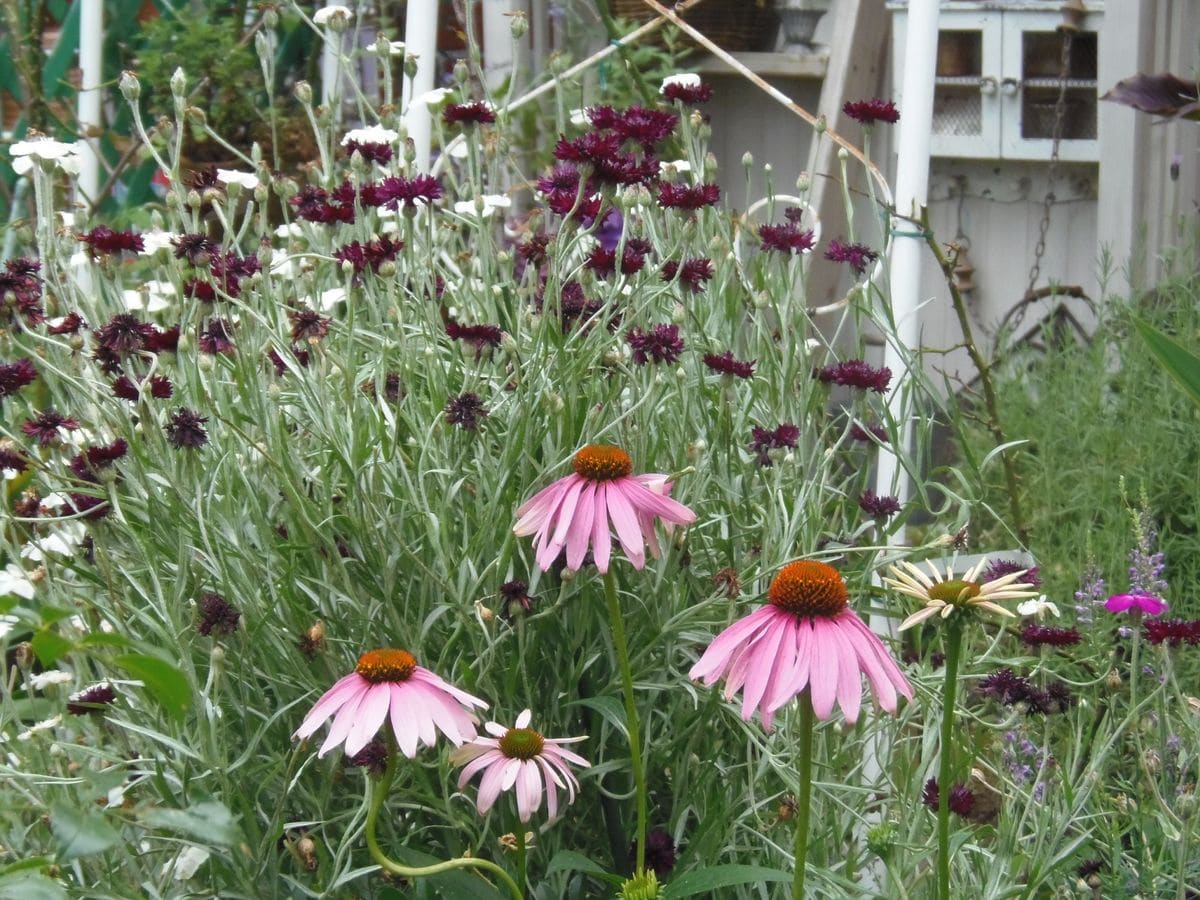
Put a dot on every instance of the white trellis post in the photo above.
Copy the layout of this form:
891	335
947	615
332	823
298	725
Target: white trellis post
420	40
91	58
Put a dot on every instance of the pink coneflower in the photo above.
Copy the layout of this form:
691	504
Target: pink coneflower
1137	604
585	507
388	682
868	112
521	759
806	636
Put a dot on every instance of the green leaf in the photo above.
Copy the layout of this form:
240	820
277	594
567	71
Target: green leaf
81	834
610	708
208	821
164	682
1180	363
50	647
699	881
62	57
570	861
27	885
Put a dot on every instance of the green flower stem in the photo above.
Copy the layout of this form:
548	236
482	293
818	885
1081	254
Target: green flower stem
631	716
804	796
378	793
954	636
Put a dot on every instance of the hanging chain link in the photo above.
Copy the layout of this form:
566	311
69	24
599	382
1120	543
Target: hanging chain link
1060	109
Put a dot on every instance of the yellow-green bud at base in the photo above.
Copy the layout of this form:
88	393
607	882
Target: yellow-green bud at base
641	887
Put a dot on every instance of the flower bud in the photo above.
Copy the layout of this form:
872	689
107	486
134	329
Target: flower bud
178	82
303	91
461	72
747	159
843	154
130	87
262	45
519	25
820	125
271	17
194	200
410	65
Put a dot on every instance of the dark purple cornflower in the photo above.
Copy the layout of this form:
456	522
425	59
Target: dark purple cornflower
574	307
590	148
87	505
16	375
961	801
200	289
660	852
870	434
868	112
124	333
91	461
300	356
1089	867
393	390
1001	567
197	249
726	364
694	272
857	256
1172	632
163	340
1047	636
216	616
661	344
466	411
373	254
480	337
877	506
216	337
516	600
603	260
11	459
1056	698
313	204
204	178
687	93
308	325
786	238
765	440
229	269
186	429
92	701
645	126
104	240
70	324
794	214
856	373
20	286
533	250
562	183
127	389
370	151
373	758
689	197
473	113
420	189
1005	687
45	427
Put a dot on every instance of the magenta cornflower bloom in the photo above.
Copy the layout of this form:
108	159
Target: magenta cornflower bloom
661	344
216	616
16	375
765	440
1047	636
857	256
585	507
856	374
868	112
961	800
309	325
868	435
725	364
520	759
49	426
806	636
603	260
92	700
197	249
371	151
68	324
689	197
694	272
216	337
786	238
1172	632
690	93
422	189
89	463
105	240
480	337
878	506
466	411
186	429
1137	604
645	126
389	683
11	459
474	113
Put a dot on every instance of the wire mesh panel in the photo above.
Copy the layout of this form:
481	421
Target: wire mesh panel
1041	68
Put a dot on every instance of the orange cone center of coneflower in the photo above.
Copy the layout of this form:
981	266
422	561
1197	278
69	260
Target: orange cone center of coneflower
385	665
955	591
602	462
809	588
521	743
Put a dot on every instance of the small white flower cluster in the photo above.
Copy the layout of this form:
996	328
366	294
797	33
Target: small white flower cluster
26	153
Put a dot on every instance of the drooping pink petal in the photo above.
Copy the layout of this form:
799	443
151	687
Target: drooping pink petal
566	512
344	720
793	682
529	790
343	689
849	689
581	527
762	667
403	726
432	678
489	786
715	660
601	540
625	522
887	677
477	765
822	673
551	790
644	498
534	514
371	715
420	696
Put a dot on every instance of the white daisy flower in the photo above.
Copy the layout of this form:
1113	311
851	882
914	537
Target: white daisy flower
1039	606
42	680
44	725
325	14
483	206
14	581
372	134
246	180
24	153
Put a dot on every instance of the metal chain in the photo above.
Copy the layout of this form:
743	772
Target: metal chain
1060	108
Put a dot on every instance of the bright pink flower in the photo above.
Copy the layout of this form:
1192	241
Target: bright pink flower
389	682
520	759
577	510
806	637
1146	604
